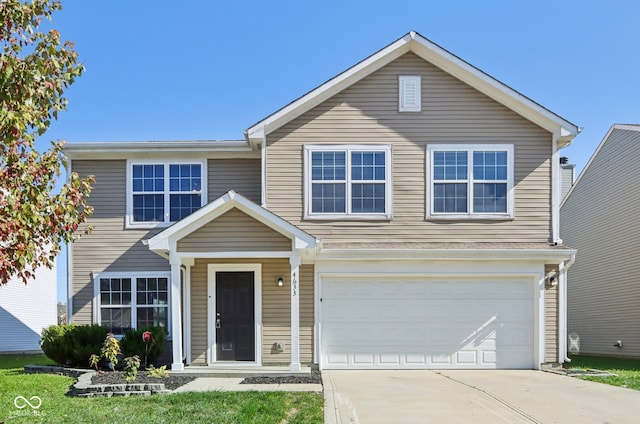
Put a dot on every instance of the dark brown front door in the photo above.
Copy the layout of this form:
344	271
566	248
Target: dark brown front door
235	321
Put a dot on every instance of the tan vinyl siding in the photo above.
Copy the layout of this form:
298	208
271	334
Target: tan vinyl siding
566	179
600	219
234	231
110	247
551	320
452	112
240	175
276	310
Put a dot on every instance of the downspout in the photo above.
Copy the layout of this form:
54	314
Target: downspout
263	173
555	190
562	308
69	263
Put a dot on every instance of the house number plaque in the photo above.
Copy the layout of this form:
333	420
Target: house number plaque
294	284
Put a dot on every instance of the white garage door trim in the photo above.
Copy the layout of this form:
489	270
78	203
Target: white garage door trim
516	336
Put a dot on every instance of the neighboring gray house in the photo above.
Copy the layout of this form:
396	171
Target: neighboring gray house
601	219
404	214
26	309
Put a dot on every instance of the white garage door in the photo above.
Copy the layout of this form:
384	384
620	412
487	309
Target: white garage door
426	323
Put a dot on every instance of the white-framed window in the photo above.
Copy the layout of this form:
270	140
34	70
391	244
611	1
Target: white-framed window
470	181
162	192
124	300
348	181
409	93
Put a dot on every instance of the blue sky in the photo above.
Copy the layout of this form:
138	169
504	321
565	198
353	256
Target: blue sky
169	70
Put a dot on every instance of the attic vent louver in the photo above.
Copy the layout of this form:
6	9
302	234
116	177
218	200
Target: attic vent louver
409	88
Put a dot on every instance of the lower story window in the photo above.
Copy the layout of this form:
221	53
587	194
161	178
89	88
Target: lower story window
126	301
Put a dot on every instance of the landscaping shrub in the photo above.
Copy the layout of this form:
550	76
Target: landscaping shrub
71	344
52	342
84	341
133	343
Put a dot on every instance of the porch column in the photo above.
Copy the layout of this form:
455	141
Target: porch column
294	260
176	315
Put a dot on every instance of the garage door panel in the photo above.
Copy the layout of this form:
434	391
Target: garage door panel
422	323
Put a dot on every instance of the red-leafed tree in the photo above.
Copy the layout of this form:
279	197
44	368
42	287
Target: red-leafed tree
36	67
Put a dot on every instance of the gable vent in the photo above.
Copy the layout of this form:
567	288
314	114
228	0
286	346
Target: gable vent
409	93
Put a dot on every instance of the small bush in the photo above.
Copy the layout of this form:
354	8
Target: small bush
53	345
71	344
84	341
133	344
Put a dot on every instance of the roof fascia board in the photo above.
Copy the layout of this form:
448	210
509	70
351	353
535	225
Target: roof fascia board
491	87
439	57
330	88
218	207
124	149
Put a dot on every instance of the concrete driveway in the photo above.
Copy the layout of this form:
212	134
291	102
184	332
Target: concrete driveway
371	397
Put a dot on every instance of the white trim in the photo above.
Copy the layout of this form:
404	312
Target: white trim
294	278
404	83
212	269
161	241
533	271
129	222
469	149
263	173
133	275
176	315
441	58
186	316
556	189
348	149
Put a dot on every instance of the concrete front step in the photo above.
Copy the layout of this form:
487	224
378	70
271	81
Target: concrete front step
114	394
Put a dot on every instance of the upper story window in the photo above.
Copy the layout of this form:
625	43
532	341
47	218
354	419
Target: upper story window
162	193
410	90
348	181
470	181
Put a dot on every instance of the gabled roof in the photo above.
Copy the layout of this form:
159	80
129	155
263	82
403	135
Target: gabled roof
436	55
162	242
614	127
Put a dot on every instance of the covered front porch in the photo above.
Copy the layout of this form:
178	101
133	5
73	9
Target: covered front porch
242	288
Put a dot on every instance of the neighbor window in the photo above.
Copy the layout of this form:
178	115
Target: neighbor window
470	181
126	301
345	181
162	193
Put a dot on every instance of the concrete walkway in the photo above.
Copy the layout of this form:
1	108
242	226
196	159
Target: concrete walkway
473	397
209	384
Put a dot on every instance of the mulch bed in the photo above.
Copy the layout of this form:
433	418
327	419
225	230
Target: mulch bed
315	378
171	381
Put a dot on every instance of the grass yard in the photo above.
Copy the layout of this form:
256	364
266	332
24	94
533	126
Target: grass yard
218	407
627	370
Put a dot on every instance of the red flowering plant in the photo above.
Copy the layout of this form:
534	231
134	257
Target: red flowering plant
147	338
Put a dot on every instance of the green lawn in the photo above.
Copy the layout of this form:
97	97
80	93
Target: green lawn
218	407
627	370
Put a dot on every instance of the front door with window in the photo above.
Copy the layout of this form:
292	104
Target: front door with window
234	316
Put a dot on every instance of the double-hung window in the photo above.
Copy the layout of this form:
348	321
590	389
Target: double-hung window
348	181
163	193
131	300
470	181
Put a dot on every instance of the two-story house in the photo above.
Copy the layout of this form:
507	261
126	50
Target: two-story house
404	214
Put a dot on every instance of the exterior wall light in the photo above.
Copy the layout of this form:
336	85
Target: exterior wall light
280	281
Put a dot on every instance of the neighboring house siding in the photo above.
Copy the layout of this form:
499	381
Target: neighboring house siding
566	179
109	247
551	320
234	231
600	219
26	309
276	310
240	175
452	112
